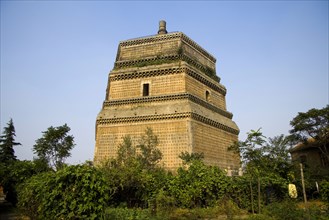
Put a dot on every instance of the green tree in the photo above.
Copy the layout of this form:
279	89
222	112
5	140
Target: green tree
260	153
7	143
13	174
276	157
126	151
54	146
134	171
8	177
149	155
267	164
250	150
312	124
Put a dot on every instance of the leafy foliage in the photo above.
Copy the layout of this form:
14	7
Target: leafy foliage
150	155
126	151
312	124
292	210
250	150
324	191
135	180
136	175
198	185
31	192
261	155
125	213
267	163
8	179
188	158
277	154
54	146
74	192
7	143
13	174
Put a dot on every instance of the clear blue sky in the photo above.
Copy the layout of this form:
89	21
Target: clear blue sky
272	56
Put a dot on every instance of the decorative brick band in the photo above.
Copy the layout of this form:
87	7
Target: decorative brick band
213	123
146	61
220	89
175	116
169	98
148	73
150	39
143	118
209	72
145	99
166	59
164	37
210	107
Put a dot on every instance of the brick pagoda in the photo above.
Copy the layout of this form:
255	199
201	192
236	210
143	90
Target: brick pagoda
168	83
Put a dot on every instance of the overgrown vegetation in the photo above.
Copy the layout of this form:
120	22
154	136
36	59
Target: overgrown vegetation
135	186
73	192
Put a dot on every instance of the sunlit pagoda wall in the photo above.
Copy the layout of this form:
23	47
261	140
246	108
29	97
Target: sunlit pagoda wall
168	83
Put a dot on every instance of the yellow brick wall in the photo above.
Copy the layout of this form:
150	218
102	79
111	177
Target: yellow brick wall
198	89
213	143
197	56
160	85
172	135
148	50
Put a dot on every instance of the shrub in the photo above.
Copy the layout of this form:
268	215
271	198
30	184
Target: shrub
324	191
125	213
259	217
285	210
291	210
164	203
30	194
73	192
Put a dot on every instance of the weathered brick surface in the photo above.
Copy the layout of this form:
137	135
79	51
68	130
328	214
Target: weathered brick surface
213	143
160	85
198	89
184	107
196	55
172	135
149	50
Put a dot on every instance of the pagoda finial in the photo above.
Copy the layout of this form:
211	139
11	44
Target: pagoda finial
162	27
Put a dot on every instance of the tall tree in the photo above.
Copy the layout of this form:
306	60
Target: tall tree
134	171
277	155
7	143
149	155
54	146
312	124
126	151
265	160
262	154
250	150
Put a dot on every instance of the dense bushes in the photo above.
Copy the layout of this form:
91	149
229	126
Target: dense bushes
198	185
325	191
132	192
134	186
73	192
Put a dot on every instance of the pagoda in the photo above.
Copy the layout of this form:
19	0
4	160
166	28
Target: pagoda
168	83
